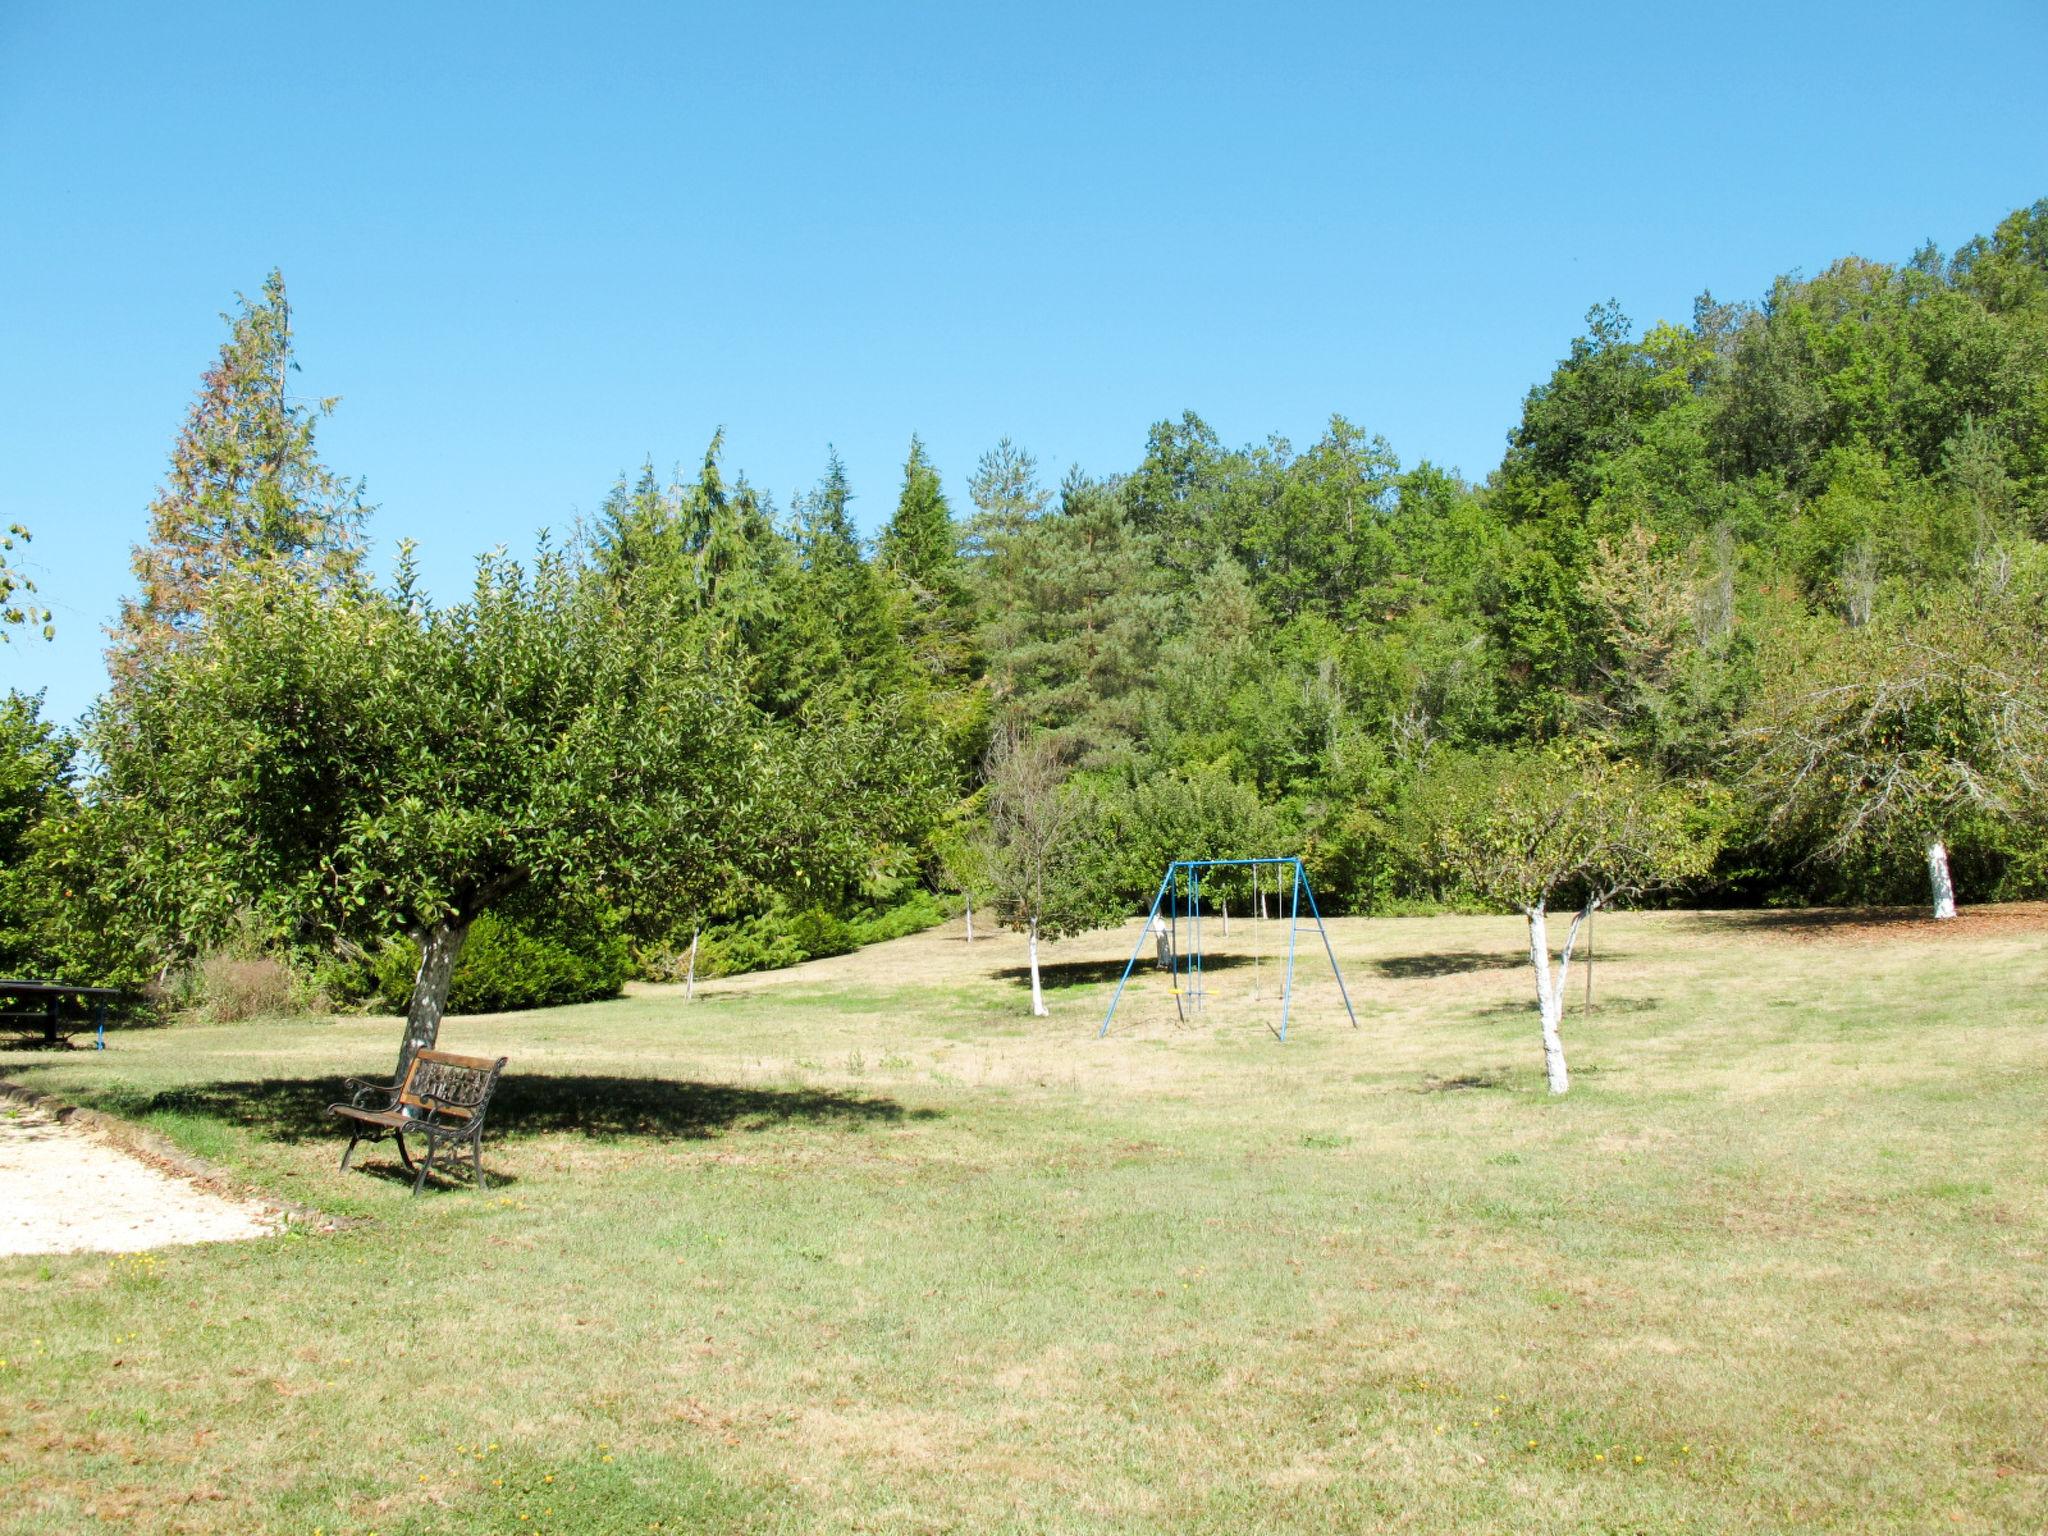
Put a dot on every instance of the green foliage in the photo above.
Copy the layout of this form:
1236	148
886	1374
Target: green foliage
1789	552
1525	830
1043	863
508	964
362	763
1923	724
35	763
15	588
779	937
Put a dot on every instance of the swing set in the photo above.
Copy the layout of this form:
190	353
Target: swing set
1180	893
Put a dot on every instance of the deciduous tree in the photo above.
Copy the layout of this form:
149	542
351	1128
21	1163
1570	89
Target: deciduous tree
1526	830
1893	737
1039	865
16	612
362	763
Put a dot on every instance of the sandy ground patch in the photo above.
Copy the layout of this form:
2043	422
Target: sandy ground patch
63	1190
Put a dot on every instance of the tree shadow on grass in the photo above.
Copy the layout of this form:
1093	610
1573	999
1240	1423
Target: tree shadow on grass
1080	973
542	1104
379	1160
1466	1083
1574	1007
1445	962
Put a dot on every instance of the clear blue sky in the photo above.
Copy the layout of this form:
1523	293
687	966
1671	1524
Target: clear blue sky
530	246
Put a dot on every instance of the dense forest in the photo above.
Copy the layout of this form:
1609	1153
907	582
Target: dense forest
1786	562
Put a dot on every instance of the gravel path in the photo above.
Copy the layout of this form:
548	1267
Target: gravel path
63	1190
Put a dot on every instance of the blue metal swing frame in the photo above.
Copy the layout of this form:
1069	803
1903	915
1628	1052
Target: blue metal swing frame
1190	964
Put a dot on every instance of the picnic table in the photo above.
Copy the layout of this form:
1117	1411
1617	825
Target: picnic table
49	1014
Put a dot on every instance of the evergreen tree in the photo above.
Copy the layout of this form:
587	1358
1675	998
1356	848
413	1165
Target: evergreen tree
826	535
1006	495
920	542
246	491
1076	609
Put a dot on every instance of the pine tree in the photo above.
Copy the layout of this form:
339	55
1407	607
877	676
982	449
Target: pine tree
1006	495
246	490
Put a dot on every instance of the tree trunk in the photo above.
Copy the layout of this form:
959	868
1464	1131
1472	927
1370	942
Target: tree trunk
690	978
1937	876
970	917
1549	1001
1037	992
440	946
1224	902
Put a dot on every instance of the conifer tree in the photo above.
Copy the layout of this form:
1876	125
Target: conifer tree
246	492
920	541
1007	497
826	537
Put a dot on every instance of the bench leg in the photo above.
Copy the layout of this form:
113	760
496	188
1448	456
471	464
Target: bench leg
426	1166
350	1151
476	1156
404	1156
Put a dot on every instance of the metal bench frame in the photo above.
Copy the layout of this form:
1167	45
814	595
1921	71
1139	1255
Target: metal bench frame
443	1098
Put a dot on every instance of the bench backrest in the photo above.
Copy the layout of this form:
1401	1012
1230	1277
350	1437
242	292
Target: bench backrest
459	1085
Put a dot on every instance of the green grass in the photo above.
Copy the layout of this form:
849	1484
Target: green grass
861	1247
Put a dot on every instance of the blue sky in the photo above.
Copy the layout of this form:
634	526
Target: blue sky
530	246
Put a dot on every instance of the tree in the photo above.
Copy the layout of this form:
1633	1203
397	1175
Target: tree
16	588
1006	495
843	630
1038	860
359	763
35	770
1075	616
826	536
246	492
920	542
1524	830
1894	737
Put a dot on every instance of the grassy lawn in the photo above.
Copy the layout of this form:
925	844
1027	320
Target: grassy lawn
862	1247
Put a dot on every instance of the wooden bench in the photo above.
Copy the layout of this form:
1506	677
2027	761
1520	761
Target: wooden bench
46	1016
443	1098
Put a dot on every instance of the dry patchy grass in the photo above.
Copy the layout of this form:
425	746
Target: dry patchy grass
861	1246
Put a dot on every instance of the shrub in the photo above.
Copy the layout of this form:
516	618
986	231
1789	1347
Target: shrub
778	937
233	987
507	965
921	911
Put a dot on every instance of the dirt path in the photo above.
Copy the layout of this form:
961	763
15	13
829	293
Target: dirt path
63	1190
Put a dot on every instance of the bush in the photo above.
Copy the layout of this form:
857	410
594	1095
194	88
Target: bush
779	937
233	987
923	910
507	965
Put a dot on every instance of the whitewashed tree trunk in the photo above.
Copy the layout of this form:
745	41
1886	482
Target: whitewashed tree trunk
1037	992
1550	987
440	947
1937	877
1225	904
690	980
970	918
